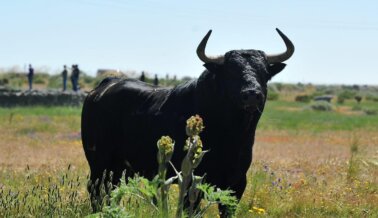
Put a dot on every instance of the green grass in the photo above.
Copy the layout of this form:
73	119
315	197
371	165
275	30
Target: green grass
39	111
333	187
51	193
277	117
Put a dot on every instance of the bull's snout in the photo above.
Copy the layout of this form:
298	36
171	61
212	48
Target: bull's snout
251	99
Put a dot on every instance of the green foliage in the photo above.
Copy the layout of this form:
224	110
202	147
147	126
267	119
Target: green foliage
4	81
321	106
303	98
346	95
32	195
272	96
304	193
372	97
142	191
55	81
39	80
214	195
358	98
297	119
371	111
136	195
273	92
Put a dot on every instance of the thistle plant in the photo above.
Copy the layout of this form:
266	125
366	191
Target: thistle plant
190	186
165	150
193	157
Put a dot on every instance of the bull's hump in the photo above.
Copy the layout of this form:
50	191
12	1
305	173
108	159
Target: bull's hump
103	91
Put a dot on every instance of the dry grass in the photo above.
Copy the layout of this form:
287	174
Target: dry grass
295	172
40	142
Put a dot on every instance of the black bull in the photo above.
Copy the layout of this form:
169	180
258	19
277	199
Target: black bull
122	119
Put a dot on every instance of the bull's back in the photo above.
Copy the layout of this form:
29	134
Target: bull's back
117	115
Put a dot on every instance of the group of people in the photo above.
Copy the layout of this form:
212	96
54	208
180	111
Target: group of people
75	73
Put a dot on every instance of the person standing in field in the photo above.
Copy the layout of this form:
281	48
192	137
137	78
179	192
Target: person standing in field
156	80
64	75
76	72
30	76
75	77
72	77
142	77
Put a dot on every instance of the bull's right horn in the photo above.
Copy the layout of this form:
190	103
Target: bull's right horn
201	52
279	58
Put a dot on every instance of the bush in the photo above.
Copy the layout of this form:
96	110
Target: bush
358	98
344	95
340	100
372	97
39	80
272	96
371	112
303	98
4	81
321	106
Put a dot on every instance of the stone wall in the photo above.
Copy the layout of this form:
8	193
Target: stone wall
13	98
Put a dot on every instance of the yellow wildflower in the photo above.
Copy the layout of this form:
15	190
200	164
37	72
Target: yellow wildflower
165	144
257	210
194	125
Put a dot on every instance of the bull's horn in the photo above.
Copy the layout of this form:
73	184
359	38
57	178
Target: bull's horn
201	52
278	58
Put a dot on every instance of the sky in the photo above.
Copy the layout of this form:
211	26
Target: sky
336	41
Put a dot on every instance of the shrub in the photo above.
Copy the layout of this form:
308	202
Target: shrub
372	97
303	98
340	100
371	112
344	95
273	96
39	80
358	98
4	81
321	106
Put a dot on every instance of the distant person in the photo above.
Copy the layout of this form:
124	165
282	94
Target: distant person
142	77
75	77
72	77
77	74
30	76
156	80
64	75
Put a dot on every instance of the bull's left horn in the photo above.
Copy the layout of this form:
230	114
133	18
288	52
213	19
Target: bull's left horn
278	58
201	52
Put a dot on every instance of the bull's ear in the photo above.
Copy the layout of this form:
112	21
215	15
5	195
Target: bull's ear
212	67
273	69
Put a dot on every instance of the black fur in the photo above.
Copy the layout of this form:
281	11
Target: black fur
122	119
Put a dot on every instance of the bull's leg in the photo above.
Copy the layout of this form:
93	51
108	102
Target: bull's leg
239	190
103	181
98	186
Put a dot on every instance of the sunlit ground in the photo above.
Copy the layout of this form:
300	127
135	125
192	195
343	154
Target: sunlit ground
301	167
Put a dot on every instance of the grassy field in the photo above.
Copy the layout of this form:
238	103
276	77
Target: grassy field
306	163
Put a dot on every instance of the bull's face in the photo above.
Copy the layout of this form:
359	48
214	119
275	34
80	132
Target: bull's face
242	75
242	78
